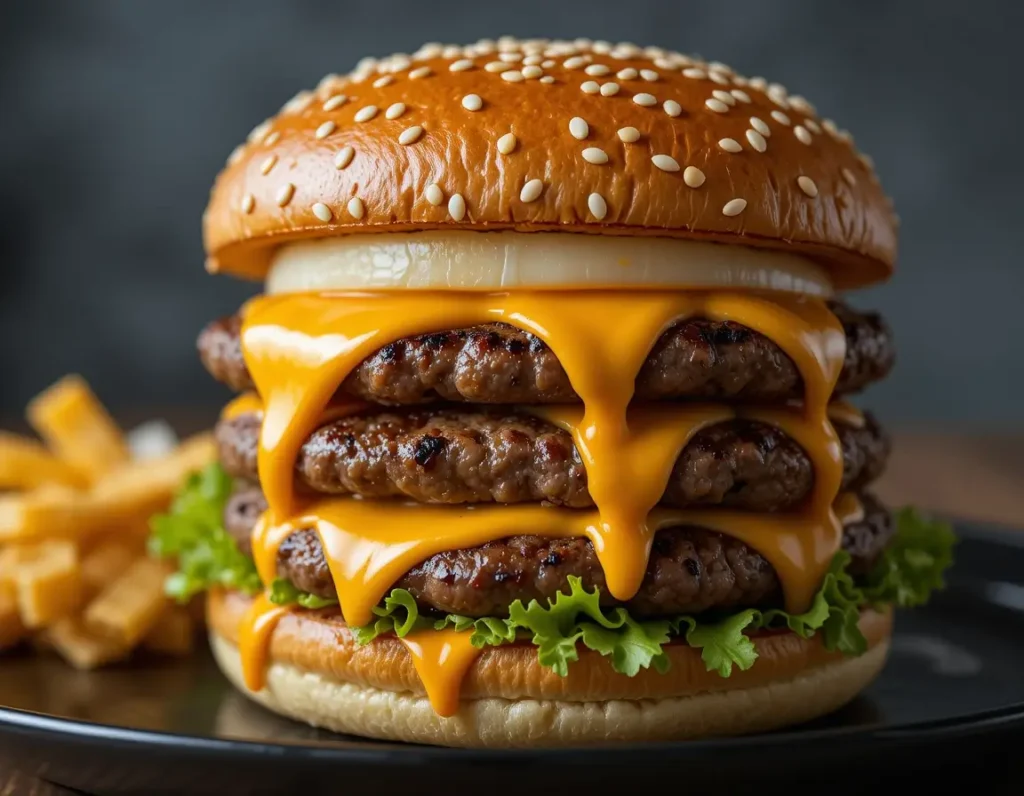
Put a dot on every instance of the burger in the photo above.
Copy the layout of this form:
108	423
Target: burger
543	434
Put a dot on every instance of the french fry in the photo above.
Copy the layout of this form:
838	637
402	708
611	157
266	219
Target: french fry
25	464
103	565
128	495
77	428
82	649
46	579
173	634
12	629
129	607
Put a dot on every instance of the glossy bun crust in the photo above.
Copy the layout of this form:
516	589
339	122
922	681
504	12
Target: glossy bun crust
318	674
453	138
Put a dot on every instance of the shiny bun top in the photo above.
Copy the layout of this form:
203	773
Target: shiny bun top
583	137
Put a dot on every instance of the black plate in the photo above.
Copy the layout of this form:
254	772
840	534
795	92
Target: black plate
952	697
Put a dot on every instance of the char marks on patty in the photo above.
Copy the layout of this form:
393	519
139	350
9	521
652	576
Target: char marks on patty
497	363
452	456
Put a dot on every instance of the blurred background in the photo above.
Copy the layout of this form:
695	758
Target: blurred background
118	115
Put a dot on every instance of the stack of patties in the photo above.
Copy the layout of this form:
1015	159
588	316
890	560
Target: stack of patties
542	437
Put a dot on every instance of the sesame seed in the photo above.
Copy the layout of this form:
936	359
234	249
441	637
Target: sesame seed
461	65
325	129
236	155
335	102
597	70
813	126
380	82
472	102
272	139
531	191
760	126
741	95
410	135
457	207
629	135
597	205
395	110
665	162
595	155
848	176
579	128
532	72
533	60
548	63
649	75
497	66
248	203
693	176
719	78
734	207
757	141
730	145
451	51
629	73
421	71
781	118
723	96
645	99
512	76
356	209
807	185
547	79
590	87
507	143
344	157
574	63
758	82
268	164
365	114
801	134
672	108
609	89
322	211
434	194
284	194
695	73
510	57
716	105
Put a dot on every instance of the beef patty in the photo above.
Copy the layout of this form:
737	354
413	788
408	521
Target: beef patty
497	363
452	456
690	569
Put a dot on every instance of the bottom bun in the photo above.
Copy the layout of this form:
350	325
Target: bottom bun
318	675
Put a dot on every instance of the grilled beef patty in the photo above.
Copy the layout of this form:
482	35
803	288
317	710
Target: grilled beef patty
497	363
690	569
452	456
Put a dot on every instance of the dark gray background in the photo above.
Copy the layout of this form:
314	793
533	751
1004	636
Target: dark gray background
115	117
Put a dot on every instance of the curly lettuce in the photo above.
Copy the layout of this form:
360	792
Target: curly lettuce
192	531
906	574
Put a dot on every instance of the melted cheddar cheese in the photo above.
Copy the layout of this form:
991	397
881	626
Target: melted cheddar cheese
300	347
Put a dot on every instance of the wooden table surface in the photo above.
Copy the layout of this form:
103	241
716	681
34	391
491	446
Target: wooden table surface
968	477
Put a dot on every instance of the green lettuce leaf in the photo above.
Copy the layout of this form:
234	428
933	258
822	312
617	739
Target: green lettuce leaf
284	592
913	564
193	532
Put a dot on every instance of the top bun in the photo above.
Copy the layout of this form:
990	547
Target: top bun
553	136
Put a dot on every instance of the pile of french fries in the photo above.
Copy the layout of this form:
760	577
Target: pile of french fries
74	516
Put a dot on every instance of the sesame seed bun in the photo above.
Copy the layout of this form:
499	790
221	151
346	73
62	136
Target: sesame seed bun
541	136
318	674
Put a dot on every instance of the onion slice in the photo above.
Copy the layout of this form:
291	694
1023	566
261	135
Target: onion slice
544	261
